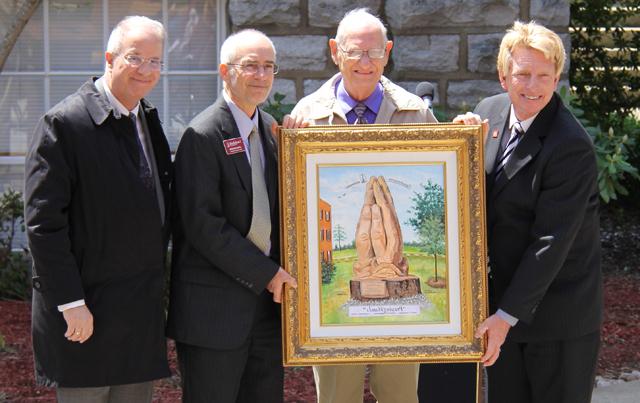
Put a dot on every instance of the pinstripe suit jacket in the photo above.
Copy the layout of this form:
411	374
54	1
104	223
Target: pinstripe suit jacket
543	225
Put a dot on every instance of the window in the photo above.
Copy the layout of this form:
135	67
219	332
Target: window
321	234
321	214
63	45
327	216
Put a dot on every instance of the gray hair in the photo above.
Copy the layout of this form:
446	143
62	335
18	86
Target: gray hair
229	48
126	24
359	16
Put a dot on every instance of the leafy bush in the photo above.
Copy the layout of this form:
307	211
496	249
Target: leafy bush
328	271
613	150
604	58
277	109
14	266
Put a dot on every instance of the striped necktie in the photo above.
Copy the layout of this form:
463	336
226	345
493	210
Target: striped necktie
260	230
516	134
359	110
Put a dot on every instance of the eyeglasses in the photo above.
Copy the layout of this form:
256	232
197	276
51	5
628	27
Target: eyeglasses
137	61
357	54
253	68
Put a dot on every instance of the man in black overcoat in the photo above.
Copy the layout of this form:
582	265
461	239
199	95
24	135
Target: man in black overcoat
97	179
226	278
545	285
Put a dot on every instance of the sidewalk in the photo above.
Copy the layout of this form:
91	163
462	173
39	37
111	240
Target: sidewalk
624	392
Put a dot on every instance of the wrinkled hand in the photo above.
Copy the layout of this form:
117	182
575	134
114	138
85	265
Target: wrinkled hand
496	329
294	122
471	118
276	285
79	323
378	235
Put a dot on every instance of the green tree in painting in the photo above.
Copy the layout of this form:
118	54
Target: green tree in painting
427	219
432	237
339	235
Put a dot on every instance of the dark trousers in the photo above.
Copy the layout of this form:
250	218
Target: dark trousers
448	383
251	373
556	371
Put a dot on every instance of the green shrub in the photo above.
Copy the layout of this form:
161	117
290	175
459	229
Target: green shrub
614	144
14	266
276	108
604	58
328	271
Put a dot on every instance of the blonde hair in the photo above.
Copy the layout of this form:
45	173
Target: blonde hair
535	36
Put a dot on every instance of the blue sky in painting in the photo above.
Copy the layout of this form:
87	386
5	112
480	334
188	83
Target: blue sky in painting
346	201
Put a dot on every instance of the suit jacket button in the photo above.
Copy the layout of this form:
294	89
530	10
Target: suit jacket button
36	284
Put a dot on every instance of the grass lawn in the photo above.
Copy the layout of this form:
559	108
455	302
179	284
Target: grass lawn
336	293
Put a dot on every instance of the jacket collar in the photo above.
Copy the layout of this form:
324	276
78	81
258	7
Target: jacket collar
393	100
530	144
98	104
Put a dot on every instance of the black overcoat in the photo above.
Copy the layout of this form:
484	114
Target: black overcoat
96	234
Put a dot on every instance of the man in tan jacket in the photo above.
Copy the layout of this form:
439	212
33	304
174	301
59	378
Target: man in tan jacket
359	94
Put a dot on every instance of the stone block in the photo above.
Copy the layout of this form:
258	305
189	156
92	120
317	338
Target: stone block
303	52
464	95
550	12
483	52
328	13
257	12
286	88
437	53
408	14
311	86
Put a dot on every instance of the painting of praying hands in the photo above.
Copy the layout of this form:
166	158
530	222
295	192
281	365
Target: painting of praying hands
383	228
382	265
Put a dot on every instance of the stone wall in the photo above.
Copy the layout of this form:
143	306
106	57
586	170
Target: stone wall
451	43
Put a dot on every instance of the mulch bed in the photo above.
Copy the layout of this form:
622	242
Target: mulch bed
620	352
620	349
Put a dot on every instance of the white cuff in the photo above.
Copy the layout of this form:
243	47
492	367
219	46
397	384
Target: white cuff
70	305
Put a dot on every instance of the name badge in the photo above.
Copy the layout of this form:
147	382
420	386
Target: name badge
233	146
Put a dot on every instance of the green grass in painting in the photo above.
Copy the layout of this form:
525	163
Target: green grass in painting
335	294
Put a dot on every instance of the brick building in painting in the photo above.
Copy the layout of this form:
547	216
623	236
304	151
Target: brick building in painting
324	223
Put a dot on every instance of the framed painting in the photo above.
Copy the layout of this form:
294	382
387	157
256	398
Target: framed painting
384	230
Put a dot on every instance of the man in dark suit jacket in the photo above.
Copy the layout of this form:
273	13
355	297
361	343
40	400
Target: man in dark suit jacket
543	231
227	279
97	202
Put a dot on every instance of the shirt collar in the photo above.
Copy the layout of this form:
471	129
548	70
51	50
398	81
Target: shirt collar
524	123
118	108
245	123
347	103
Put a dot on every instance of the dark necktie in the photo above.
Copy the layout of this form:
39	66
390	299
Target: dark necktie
260	230
359	110
144	170
516	135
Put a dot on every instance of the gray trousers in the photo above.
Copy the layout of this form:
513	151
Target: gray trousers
131	393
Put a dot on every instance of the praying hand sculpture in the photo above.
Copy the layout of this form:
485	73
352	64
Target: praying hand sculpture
378	236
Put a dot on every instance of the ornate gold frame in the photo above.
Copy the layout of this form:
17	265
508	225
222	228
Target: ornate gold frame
295	146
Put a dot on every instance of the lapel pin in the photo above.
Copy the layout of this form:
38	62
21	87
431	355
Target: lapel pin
494	134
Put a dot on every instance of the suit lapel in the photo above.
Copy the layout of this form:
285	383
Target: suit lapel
529	146
497	122
230	130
